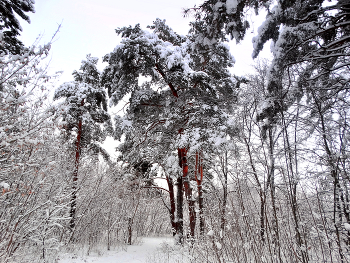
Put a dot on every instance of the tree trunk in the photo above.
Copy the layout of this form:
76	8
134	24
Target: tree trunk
334	173
271	181
199	179
261	191
192	213
172	205
129	230
224	185
75	173
179	219
200	204
188	191
292	182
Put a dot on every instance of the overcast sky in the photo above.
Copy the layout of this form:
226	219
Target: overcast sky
87	26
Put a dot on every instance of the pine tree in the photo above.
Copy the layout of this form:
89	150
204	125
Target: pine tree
312	35
85	115
310	46
180	107
9	25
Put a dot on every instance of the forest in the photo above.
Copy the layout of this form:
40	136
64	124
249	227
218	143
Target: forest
247	168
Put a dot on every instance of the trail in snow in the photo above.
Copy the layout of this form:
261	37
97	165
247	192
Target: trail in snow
149	250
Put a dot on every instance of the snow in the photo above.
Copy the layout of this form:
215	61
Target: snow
210	233
231	6
347	226
5	185
147	251
218	5
126	123
218	245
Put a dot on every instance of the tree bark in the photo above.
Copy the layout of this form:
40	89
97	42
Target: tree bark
188	191
179	219
172	204
271	182
261	193
129	230
75	172
334	173
224	185
292	182
199	179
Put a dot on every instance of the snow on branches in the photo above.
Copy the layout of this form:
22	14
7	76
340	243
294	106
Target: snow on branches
185	90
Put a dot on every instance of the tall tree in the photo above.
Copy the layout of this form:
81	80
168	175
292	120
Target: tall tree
310	39
179	107
85	114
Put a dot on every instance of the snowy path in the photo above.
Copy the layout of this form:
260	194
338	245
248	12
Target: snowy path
145	252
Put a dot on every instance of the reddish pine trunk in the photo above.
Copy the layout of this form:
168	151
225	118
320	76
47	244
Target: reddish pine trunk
192	212
172	205
188	191
75	173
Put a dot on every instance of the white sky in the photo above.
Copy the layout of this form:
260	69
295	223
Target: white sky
88	27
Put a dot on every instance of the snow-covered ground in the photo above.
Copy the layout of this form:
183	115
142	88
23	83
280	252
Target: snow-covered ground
148	250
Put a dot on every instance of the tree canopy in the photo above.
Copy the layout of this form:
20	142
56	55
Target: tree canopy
9	25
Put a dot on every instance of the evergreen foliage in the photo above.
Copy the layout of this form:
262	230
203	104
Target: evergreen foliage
182	86
9	25
86	100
